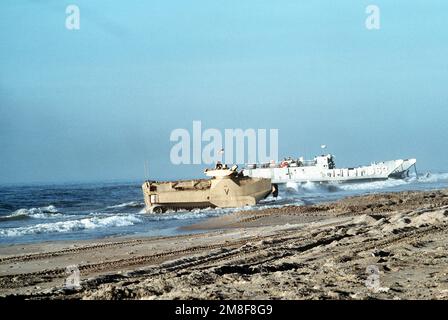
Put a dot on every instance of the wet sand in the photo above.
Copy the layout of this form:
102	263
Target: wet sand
385	246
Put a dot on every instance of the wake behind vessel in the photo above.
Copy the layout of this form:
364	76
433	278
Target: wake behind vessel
226	188
322	169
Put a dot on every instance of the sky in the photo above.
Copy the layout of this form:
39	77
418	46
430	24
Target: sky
95	104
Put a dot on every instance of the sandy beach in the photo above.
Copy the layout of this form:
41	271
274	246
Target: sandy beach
385	246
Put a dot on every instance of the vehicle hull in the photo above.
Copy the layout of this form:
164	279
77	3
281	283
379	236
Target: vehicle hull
225	192
376	171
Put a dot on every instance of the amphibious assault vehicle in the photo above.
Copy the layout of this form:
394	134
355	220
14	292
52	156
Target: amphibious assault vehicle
226	188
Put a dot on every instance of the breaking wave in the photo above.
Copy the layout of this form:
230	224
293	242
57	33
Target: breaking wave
374	185
432	177
72	225
297	187
312	187
36	213
131	204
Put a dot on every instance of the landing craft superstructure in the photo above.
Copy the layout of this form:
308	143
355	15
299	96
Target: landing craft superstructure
323	169
226	188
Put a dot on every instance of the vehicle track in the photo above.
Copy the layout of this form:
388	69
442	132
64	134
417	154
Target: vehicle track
18	279
46	255
284	251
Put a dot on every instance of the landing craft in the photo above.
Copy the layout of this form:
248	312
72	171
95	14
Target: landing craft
322	169
226	188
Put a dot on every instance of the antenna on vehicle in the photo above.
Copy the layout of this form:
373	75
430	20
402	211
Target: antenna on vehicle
220	155
146	168
323	147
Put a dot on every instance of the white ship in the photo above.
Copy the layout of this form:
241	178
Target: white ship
322	169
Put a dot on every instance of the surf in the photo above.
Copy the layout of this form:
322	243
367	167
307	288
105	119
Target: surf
73	225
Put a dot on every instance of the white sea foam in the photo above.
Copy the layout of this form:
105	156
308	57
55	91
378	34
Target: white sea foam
36	213
310	187
313	187
367	186
131	204
432	178
73	225
193	214
374	185
292	186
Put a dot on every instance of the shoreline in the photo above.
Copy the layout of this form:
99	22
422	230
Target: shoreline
294	252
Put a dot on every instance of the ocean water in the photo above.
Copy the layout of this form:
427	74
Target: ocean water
38	213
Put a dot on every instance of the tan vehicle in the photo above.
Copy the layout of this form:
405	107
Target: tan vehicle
225	189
